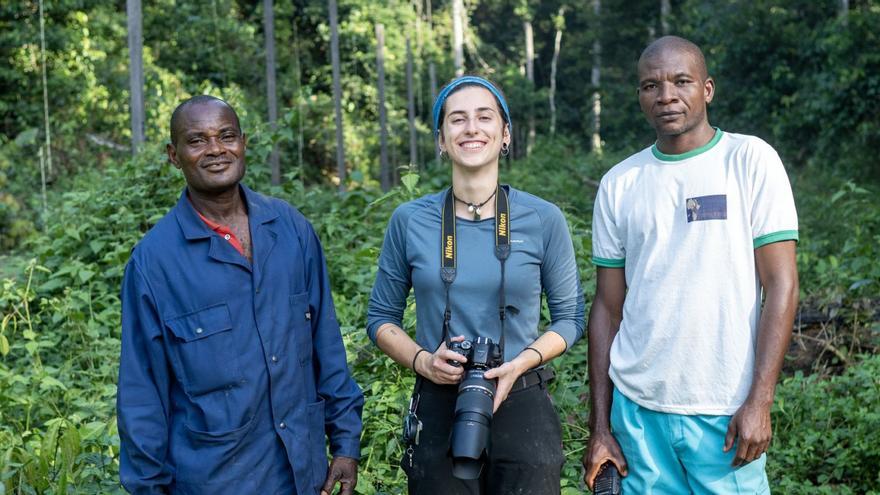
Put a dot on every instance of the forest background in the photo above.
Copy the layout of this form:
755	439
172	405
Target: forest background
802	74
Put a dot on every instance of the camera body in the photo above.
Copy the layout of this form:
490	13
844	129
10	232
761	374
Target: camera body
481	353
473	406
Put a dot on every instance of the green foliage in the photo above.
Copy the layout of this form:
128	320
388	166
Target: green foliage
834	271
827	432
788	70
796	74
59	340
16	222
60	334
56	391
837	260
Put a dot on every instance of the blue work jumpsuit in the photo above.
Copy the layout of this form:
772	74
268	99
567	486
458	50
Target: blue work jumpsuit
232	373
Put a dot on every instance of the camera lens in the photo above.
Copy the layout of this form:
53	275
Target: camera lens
471	426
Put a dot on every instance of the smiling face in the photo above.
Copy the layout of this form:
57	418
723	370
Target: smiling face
209	147
473	129
674	91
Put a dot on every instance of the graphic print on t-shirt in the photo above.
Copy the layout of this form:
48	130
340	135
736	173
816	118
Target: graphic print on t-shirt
707	208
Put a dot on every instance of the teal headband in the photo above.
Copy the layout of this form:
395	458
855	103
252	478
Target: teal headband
479	81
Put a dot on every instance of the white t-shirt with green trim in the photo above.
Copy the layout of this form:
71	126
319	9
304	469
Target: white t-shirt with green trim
685	228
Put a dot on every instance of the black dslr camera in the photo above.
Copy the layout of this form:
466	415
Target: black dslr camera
473	406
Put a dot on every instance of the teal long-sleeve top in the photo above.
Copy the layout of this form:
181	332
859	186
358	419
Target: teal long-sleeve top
541	262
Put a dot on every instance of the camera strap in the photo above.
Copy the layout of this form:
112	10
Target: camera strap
448	265
449	253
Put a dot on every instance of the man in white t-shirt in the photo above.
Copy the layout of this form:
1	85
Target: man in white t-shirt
688	235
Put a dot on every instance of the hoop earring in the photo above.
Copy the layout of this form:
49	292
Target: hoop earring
505	149
443	155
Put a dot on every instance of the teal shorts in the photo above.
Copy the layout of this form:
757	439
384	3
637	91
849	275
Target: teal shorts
679	454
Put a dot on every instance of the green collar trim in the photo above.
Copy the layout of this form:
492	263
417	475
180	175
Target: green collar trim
688	154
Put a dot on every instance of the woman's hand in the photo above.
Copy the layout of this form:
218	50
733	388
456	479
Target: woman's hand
508	373
435	367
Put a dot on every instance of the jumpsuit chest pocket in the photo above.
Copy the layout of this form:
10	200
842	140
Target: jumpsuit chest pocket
301	327
203	350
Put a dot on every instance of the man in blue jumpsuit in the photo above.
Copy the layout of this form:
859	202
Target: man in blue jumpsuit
232	373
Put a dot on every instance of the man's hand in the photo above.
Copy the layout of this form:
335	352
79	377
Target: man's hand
750	427
435	367
601	449
751	430
343	470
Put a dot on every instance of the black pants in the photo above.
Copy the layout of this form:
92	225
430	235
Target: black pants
525	452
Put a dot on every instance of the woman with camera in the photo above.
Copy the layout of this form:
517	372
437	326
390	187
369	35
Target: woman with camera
479	256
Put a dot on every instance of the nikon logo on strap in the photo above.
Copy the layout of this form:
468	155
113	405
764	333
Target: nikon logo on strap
448	250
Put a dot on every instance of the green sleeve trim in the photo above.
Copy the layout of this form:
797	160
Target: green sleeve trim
689	154
782	235
609	263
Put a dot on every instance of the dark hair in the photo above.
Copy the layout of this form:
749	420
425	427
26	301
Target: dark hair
195	100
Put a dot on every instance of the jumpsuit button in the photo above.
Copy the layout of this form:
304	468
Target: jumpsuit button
227	237
274	359
199	330
282	425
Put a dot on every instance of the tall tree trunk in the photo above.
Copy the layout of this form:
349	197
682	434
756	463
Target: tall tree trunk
530	75
595	77
337	94
557	45
530	50
384	167
299	100
271	95
48	131
411	106
458	36
843	10
432	79
420	97
43	182
136	72
432	76
665	9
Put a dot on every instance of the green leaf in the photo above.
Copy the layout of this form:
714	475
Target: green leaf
92	430
97	245
85	275
70	447
409	181
860	283
49	383
28	136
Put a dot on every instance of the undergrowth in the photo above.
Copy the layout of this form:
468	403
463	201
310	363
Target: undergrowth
59	340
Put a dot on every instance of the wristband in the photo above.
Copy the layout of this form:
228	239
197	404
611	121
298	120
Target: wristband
541	356
416	357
